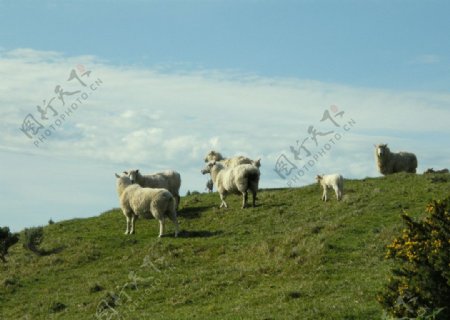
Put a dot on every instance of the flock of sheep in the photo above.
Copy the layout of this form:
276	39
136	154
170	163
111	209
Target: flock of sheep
158	195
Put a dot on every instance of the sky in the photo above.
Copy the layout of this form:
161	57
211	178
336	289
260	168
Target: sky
90	88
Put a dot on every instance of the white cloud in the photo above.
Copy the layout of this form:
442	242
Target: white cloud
143	118
429	58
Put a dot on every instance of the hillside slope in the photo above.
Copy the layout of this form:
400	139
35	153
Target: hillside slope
292	257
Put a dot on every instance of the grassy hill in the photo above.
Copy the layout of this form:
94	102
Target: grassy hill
292	257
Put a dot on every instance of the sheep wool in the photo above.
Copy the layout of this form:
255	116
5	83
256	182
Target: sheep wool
169	180
334	181
389	162
136	201
230	162
237	180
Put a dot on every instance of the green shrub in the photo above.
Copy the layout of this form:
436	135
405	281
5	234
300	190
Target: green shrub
33	239
7	239
420	285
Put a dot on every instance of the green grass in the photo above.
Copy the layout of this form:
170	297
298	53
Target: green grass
292	257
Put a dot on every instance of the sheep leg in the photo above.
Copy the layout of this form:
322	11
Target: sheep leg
324	194
175	221
223	204
244	199
127	231
254	198
339	194
161	227
133	223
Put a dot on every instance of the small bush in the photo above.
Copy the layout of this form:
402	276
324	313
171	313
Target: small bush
420	285
7	239
34	238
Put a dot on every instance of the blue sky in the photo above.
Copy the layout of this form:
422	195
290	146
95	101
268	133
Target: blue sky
183	77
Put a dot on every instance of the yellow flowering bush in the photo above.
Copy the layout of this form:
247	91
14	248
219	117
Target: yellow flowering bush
420	284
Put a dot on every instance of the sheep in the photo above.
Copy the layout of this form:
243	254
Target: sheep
335	181
136	201
236	180
170	180
209	186
214	156
389	162
231	162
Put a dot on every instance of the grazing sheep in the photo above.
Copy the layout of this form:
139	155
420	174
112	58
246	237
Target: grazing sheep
236	180
209	186
335	181
389	162
231	162
137	201
170	180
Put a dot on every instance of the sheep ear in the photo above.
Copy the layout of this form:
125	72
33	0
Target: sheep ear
125	172
117	176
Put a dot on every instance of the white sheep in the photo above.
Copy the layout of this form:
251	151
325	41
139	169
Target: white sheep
238	180
170	180
335	181
137	201
231	162
389	162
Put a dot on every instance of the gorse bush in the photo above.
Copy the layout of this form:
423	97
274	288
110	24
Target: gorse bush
420	285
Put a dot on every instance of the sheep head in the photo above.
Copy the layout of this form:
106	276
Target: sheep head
132	174
208	167
213	156
319	178
382	150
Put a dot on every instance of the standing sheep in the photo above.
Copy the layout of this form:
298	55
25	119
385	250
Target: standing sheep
137	201
169	180
231	162
236	180
209	186
389	162
335	181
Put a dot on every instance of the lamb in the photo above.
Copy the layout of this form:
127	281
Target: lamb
231	162
335	181
236	180
169	180
137	201
389	163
